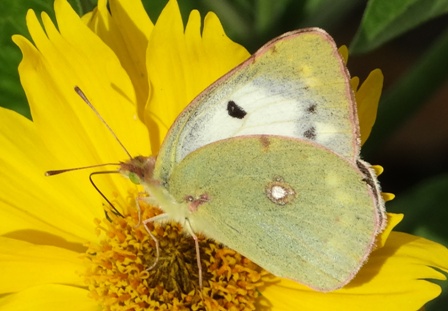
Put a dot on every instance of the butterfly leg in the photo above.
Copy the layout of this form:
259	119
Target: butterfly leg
147	221
139	209
198	254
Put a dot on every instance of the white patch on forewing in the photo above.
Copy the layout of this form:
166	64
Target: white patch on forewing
330	136
273	105
325	132
270	111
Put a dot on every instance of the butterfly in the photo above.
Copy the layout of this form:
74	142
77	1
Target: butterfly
266	161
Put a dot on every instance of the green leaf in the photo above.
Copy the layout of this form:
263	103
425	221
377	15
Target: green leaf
327	14
411	92
426	209
253	23
384	20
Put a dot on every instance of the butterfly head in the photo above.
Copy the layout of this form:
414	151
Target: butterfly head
139	170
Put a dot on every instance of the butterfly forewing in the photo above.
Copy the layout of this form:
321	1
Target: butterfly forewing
297	85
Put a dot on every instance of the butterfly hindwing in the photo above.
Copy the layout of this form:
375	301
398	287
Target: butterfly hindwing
295	208
296	85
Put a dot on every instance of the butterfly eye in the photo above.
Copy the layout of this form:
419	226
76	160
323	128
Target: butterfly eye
134	178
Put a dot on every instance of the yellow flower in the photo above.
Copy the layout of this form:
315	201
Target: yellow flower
59	251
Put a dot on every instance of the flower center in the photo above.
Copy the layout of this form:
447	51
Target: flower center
118	277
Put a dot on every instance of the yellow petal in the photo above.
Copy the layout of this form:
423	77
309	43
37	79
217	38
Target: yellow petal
72	133
392	221
49	297
77	57
31	202
387	196
354	83
25	265
393	277
181	65
367	98
378	169
343	51
126	30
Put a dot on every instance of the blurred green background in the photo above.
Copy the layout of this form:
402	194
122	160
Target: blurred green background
407	39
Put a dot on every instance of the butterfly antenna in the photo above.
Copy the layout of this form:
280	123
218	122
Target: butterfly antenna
85	99
57	172
114	210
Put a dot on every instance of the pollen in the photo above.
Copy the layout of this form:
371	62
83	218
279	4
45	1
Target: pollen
118	277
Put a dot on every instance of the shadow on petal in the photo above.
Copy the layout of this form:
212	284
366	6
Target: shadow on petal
44	238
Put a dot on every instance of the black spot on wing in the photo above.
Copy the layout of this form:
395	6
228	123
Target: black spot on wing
235	111
311	108
310	133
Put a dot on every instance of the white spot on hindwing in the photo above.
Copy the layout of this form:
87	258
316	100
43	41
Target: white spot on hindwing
280	192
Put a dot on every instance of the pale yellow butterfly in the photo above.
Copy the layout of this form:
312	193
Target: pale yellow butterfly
266	161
